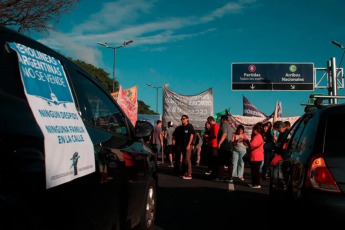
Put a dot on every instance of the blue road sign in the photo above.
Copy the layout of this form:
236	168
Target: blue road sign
273	76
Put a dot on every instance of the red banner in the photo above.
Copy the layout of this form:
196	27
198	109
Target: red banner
129	104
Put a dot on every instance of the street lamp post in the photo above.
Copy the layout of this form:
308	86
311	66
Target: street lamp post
157	87
334	86
341	47
114	48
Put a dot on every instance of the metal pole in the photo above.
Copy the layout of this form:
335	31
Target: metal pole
157	99
329	81
342	58
114	70
334	80
114	48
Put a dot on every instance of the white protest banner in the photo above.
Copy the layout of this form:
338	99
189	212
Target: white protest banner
69	152
198	107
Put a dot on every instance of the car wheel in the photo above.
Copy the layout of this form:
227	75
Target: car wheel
148	215
297	194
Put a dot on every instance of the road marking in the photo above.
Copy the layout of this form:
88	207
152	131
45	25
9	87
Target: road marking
230	187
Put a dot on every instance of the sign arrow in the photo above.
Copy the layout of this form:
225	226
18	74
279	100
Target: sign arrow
252	86
293	86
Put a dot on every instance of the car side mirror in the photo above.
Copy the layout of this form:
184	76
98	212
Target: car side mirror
143	129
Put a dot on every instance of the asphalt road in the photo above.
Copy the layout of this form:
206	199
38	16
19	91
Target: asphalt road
204	204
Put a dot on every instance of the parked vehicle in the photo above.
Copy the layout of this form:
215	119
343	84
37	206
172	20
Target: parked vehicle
69	156
311	176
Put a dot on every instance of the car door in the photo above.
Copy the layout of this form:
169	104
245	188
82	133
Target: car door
300	148
122	159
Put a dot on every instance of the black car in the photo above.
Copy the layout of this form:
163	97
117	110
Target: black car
311	177
69	156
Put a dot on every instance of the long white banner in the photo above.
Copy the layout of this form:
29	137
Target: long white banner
198	107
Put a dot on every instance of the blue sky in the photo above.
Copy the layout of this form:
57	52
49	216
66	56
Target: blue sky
191	44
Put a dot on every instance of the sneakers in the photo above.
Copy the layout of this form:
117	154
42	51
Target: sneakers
266	176
187	177
254	186
241	178
227	180
208	173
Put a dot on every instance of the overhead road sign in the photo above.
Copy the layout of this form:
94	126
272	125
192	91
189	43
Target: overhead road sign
273	76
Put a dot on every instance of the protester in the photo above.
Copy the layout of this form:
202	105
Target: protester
268	150
256	156
170	145
205	147
184	135
212	142
280	145
157	140
274	132
239	140
225	149
287	124
177	140
197	147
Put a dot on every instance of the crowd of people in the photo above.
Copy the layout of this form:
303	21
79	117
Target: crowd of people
220	148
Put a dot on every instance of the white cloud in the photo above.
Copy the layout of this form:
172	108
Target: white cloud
230	7
70	48
115	15
120	20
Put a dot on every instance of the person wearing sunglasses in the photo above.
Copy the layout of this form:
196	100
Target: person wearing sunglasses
183	136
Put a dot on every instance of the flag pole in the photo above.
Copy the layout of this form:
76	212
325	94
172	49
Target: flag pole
275	113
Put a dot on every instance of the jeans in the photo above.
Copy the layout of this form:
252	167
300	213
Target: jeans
157	150
268	154
237	162
266	163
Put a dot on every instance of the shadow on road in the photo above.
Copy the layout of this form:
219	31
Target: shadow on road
203	204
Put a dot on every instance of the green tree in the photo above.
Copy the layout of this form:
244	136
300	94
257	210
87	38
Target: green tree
103	77
145	109
99	74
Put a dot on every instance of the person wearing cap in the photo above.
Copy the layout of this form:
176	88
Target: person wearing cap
170	144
